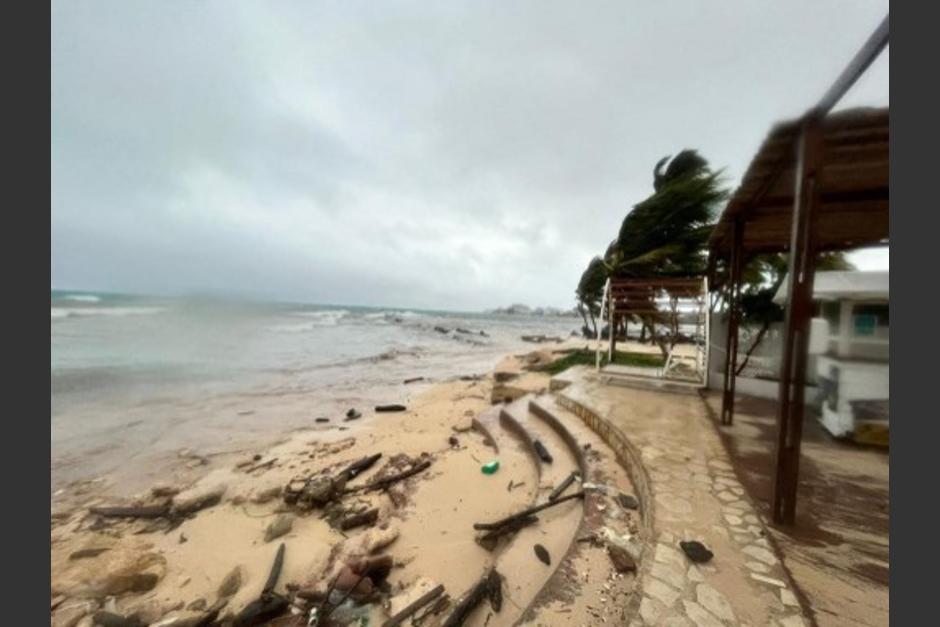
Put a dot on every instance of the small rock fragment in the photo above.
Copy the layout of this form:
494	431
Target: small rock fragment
231	583
621	558
696	551
628	501
279	526
542	553
321	419
352	414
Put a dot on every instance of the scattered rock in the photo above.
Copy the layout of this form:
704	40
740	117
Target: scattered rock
353	414
503	377
542	553
162	489
321	419
413	380
123	569
628	501
621	558
110	619
696	551
266	493
183	538
442	330
68	614
542	452
279	526
231	583
198	497
453	441
390	408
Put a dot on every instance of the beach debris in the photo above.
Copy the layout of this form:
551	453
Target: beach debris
118	511
281	525
696	551
539	339
503	376
183	538
269	604
622	560
490	468
542	452
490	539
564	485
354	469
472	377
83	553
230	583
110	619
526	512
413	380
443	330
360	519
266	464
353	414
385	482
410	603
198	497
628	501
68	614
453	441
321	419
390	408
489	587
542	553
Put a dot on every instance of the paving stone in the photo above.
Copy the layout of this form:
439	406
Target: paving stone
667	537
788	598
727	496
758	567
650	610
762	542
661	592
694	574
714	602
669	574
715	463
738	491
700	615
668	555
677	621
769	580
757	531
674	504
734	520
760	553
752	519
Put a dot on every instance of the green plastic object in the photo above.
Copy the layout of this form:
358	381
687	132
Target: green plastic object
490	467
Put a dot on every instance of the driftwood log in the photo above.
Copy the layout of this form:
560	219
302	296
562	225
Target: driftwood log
359	466
413	607
381	484
489	587
489	539
146	511
269	604
526	512
275	570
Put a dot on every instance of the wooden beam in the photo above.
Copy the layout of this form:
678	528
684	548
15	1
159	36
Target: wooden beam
734	315
869	51
799	310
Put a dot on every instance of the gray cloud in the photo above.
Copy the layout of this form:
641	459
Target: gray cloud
454	155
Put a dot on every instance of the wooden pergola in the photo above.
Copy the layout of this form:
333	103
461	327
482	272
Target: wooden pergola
818	183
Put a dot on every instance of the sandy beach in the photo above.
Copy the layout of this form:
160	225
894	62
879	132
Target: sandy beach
206	532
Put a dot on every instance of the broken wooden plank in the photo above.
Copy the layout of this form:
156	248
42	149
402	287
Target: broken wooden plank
562	486
413	607
381	484
526	512
367	517
490	586
489	539
275	570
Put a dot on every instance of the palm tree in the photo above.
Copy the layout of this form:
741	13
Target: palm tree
590	291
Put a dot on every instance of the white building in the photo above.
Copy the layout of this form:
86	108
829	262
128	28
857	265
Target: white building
850	337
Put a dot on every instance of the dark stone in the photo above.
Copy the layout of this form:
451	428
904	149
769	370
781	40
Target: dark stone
696	551
442	330
413	380
257	457
628	501
542	553
352	414
542	452
389	408
453	441
321	419
622	560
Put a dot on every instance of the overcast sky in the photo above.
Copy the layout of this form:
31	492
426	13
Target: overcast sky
455	155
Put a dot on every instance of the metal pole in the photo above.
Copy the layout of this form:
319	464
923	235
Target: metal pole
801	269
731	342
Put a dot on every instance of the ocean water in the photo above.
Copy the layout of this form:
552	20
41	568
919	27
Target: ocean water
134	379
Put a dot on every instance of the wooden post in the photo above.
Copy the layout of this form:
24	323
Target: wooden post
802	267
731	342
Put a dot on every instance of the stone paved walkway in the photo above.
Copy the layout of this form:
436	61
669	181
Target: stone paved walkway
685	480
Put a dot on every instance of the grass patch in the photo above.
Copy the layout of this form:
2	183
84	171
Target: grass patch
586	358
